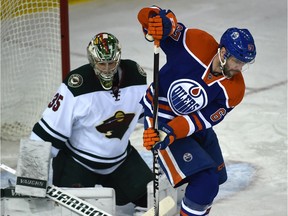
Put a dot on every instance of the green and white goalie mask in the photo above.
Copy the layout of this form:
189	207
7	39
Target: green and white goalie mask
104	52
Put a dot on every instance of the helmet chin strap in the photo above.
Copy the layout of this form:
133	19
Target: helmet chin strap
222	64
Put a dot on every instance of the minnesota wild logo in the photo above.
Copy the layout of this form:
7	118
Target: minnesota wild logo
117	125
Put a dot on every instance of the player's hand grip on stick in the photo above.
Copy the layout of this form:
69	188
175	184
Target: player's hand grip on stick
162	25
150	137
158	139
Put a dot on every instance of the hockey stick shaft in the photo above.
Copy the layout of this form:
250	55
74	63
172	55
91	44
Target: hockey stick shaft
155	125
10	170
67	200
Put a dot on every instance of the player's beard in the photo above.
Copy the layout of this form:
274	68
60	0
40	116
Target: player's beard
228	73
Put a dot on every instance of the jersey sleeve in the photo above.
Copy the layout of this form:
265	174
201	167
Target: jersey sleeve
205	118
57	119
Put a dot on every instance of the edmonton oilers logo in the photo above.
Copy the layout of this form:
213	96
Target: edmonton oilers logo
186	96
187	157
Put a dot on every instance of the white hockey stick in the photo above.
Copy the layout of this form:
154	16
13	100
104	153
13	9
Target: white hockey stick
67	200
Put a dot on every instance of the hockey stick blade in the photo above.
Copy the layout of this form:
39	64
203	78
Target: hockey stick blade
165	206
67	200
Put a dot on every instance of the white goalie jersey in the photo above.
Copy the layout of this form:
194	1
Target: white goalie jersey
90	123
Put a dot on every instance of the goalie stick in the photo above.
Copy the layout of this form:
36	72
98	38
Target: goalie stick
67	200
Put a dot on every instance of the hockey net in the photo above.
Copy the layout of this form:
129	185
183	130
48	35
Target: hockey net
31	65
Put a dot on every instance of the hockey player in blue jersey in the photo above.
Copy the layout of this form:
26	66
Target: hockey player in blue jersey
199	85
89	122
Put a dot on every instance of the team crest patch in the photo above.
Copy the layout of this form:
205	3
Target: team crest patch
141	70
75	80
187	157
117	125
186	96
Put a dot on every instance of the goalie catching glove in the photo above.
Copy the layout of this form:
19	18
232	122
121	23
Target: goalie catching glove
158	139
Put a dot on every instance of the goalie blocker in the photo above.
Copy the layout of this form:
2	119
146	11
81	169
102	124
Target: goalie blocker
33	167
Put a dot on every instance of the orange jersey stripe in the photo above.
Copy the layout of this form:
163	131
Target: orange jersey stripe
197	121
149	96
170	166
165	107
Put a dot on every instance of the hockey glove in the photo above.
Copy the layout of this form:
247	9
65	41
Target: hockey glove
160	139
150	137
162	25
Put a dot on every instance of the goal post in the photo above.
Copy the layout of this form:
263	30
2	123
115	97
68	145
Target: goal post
34	57
65	47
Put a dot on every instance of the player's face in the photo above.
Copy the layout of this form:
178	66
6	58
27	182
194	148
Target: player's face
107	69
233	66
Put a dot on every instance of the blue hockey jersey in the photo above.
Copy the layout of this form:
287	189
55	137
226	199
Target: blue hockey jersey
188	92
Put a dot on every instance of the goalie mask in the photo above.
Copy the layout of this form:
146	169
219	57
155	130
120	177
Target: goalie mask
104	54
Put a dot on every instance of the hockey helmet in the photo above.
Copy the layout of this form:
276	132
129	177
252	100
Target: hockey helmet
239	43
104	53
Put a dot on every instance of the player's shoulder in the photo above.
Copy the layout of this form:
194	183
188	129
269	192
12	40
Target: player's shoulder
235	89
199	34
201	44
82	80
200	40
133	73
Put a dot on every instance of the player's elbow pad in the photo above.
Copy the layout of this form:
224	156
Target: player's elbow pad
180	127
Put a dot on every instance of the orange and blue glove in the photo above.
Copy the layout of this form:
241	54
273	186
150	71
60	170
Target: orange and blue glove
158	139
162	25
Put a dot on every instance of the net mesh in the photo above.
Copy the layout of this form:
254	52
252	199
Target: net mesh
30	63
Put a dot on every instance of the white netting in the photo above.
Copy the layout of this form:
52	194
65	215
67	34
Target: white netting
30	62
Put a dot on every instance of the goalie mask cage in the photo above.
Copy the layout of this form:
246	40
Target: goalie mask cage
32	64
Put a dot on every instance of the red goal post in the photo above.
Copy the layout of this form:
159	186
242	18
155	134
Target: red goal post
35	56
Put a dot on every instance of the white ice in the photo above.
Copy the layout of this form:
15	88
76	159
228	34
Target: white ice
253	137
